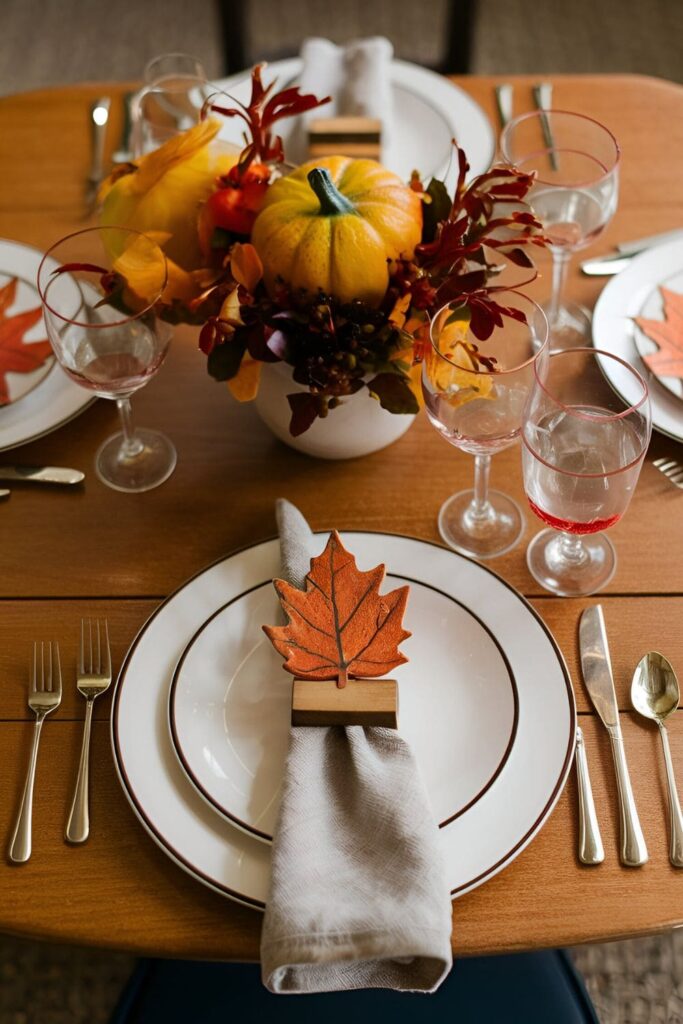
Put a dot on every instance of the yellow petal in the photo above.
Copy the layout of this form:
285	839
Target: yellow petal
457	381
167	190
397	317
244	386
143	266
245	265
230	310
153	166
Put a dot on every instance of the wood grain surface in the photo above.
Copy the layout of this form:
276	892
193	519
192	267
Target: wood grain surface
65	554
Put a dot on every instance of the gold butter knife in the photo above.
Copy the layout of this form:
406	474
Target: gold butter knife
42	474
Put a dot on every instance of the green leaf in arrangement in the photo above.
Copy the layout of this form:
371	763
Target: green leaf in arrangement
437	210
393	393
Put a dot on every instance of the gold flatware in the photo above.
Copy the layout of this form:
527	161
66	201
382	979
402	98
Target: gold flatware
99	119
597	673
504	96
44	695
655	695
591	850
94	677
671	469
42	474
543	98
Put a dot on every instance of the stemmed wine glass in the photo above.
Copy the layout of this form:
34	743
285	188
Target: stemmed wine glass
574	196
110	340
582	449
170	102
475	393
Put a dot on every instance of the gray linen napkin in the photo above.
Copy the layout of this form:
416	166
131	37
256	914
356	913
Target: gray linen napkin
358	895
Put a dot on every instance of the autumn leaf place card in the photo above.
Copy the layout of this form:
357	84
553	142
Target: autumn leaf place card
17	355
341	635
667	334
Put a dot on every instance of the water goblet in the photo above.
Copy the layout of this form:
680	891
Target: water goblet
113	342
574	196
170	102
475	398
582	449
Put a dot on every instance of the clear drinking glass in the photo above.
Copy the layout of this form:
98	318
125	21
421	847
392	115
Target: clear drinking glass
575	196
170	102
106	349
582	449
479	410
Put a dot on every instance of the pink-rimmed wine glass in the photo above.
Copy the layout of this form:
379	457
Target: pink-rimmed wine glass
575	196
582	449
111	341
477	406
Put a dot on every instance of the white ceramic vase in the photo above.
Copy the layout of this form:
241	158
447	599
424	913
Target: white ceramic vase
357	427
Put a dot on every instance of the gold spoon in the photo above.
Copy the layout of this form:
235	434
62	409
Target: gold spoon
655	695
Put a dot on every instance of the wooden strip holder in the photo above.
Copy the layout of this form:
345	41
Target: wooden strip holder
345	136
360	702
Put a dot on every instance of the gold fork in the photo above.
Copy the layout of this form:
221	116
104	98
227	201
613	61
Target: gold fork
44	695
94	677
671	469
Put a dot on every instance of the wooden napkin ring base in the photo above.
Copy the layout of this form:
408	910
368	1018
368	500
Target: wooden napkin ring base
345	136
360	702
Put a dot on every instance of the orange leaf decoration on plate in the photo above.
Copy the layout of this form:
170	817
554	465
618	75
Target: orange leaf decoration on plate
340	625
667	335
16	355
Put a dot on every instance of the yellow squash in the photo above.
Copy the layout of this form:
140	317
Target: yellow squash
332	224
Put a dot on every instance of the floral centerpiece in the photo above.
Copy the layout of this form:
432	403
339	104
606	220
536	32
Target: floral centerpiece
332	269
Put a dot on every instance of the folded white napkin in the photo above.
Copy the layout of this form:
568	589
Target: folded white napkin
358	895
356	76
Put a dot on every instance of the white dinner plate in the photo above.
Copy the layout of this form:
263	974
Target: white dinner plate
477	843
428	111
634	292
229	705
45	399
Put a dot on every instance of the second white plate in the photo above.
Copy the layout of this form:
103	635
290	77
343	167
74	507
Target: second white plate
629	294
49	399
230	705
429	110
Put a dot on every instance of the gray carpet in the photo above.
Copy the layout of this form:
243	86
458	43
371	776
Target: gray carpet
635	982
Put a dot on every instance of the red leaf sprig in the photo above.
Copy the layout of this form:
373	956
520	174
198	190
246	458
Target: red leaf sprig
262	112
488	214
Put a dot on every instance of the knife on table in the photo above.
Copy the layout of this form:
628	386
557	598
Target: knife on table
42	474
591	850
99	118
597	674
606	265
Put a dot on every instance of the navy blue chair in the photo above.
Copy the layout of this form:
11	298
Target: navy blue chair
526	988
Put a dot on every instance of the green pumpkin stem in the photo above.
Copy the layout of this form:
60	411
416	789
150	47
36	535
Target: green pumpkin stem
332	202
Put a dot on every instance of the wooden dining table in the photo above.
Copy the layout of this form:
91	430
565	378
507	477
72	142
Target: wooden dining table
92	551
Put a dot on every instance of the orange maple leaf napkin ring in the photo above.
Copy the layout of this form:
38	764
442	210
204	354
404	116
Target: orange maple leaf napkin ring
341	627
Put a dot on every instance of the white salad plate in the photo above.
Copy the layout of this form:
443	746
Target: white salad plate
500	650
230	705
428	111
43	400
635	293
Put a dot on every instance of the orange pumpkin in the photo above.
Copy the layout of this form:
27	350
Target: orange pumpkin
333	224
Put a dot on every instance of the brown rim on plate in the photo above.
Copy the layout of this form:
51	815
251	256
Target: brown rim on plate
250	829
248	900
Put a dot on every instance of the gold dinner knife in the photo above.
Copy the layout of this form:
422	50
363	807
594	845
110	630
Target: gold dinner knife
42	474
597	674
